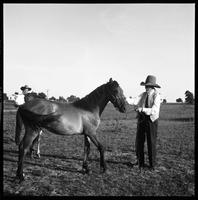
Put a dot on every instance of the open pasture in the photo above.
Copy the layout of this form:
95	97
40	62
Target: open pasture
58	171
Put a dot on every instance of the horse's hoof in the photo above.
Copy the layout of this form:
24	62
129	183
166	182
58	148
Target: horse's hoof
85	171
17	142
31	156
102	170
21	180
38	155
21	177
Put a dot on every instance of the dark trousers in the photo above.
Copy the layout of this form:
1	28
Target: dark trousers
146	128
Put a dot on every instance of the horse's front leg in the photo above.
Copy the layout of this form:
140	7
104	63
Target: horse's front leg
103	166
85	168
94	139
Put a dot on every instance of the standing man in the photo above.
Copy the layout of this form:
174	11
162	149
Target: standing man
24	97
21	99
147	105
25	91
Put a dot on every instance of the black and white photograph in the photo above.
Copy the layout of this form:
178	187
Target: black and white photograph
98	99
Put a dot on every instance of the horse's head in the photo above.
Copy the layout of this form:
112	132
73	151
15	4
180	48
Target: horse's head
116	96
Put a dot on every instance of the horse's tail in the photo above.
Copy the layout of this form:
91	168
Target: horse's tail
18	128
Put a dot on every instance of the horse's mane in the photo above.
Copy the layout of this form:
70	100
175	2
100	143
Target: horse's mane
90	100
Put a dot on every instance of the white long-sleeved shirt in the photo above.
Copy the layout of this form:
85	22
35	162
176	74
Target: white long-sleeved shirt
19	99
154	102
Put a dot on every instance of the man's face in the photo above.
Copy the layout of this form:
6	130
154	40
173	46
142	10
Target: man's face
148	88
25	91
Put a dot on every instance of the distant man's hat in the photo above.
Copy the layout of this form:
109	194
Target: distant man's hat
25	87
150	81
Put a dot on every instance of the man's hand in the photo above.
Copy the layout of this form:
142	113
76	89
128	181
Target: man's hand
138	109
135	107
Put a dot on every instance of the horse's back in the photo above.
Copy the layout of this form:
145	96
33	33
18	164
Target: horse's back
44	107
39	106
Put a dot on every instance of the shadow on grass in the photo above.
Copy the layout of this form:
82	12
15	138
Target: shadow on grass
52	167
64	157
39	162
185	119
81	159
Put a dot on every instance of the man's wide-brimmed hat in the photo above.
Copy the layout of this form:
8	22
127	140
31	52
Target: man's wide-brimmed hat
150	81
25	87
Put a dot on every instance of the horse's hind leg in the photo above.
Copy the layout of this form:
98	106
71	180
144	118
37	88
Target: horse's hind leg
38	145
36	140
23	149
31	152
86	154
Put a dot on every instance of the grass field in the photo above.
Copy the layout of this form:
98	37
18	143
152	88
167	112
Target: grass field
58	171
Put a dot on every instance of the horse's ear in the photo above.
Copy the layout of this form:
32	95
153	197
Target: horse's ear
110	80
113	84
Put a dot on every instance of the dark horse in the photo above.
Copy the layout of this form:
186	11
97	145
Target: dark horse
80	117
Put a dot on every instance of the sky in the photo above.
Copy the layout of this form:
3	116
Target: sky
71	49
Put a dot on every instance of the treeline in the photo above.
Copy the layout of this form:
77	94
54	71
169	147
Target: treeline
42	95
69	99
189	97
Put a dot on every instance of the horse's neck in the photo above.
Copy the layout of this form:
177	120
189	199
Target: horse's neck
102	104
95	101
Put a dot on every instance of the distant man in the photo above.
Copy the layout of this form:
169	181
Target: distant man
147	105
21	99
